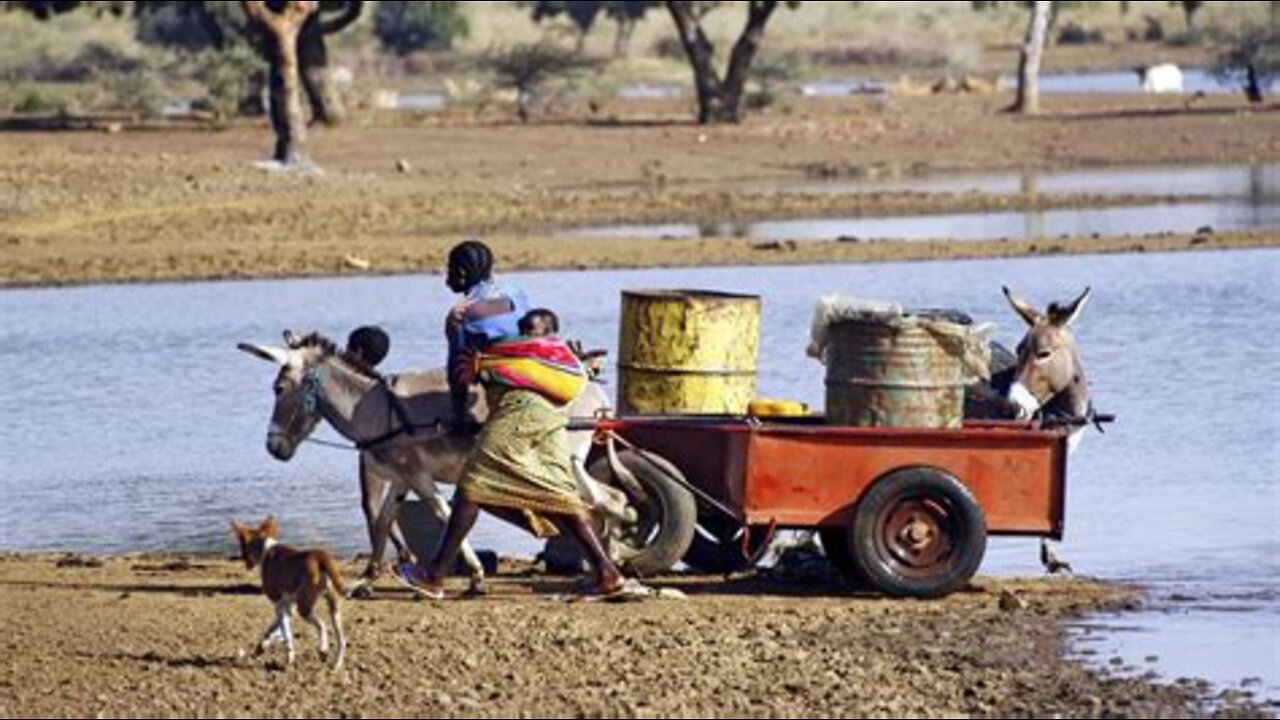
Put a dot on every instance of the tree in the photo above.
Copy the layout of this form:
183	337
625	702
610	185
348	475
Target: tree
1253	60
584	14
627	14
284	26
1190	8
218	24
1028	96
406	27
1027	100
720	99
328	18
191	25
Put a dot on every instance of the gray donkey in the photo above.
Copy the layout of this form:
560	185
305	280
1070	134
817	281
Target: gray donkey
1049	377
396	425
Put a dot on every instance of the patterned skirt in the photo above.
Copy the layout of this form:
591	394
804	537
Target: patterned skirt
521	461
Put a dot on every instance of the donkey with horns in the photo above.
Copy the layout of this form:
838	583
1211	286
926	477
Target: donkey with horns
395	423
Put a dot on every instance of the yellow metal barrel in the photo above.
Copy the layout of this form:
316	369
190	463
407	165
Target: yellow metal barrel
687	352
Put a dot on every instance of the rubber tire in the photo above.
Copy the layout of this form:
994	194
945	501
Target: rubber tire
674	506
835	543
967	532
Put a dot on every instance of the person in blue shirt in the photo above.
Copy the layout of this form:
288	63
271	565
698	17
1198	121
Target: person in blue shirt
488	312
520	468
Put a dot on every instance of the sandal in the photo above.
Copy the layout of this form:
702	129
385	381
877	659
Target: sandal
411	576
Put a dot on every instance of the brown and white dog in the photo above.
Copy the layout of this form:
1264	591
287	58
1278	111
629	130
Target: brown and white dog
293	577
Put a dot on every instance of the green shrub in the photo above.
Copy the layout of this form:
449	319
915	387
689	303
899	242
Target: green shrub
1187	38
141	93
1254	55
230	78
406	27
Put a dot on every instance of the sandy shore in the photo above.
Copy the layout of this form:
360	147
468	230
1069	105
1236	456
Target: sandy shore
152	636
396	193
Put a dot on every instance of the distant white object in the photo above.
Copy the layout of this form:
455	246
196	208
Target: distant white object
1162	78
386	99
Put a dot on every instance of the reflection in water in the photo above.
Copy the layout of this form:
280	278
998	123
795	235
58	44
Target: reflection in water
1224	215
1240	198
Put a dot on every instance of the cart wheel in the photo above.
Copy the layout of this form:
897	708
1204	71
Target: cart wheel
717	545
666	519
918	532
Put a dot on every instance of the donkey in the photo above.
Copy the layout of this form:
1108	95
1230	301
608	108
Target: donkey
395	424
1049	378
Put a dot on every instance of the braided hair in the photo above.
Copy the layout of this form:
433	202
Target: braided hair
470	263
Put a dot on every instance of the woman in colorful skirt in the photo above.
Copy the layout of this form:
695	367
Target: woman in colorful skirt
521	469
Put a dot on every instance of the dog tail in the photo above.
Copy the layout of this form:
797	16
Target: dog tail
331	571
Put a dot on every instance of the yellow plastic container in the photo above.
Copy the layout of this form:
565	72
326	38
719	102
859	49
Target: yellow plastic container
768	408
687	352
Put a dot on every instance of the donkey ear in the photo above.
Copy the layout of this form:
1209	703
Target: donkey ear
279	356
270	528
1064	316
1028	312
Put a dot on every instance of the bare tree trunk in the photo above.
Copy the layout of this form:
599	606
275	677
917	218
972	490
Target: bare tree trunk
622	41
1028	99
1252	85
313	63
287	117
702	57
744	52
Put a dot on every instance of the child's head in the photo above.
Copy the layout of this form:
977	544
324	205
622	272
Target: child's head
539	322
369	344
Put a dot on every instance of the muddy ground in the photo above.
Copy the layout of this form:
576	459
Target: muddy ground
170	204
160	636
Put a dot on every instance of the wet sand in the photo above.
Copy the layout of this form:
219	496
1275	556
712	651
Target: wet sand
160	636
155	205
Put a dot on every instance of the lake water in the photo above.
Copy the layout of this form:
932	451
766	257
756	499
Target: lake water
1232	197
1106	81
1194	80
135	424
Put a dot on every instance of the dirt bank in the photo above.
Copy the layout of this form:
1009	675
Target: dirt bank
171	205
160	636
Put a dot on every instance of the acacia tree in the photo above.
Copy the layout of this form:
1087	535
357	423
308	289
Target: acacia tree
284	26
1190	8
720	98
626	14
216	24
584	14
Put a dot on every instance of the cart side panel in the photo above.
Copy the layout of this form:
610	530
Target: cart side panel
805	478
712	457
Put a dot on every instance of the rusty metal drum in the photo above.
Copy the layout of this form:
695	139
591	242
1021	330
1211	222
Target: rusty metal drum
887	374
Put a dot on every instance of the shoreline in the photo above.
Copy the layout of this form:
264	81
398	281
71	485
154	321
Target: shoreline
158	634
584	255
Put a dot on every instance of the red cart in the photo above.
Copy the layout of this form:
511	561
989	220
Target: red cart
905	511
